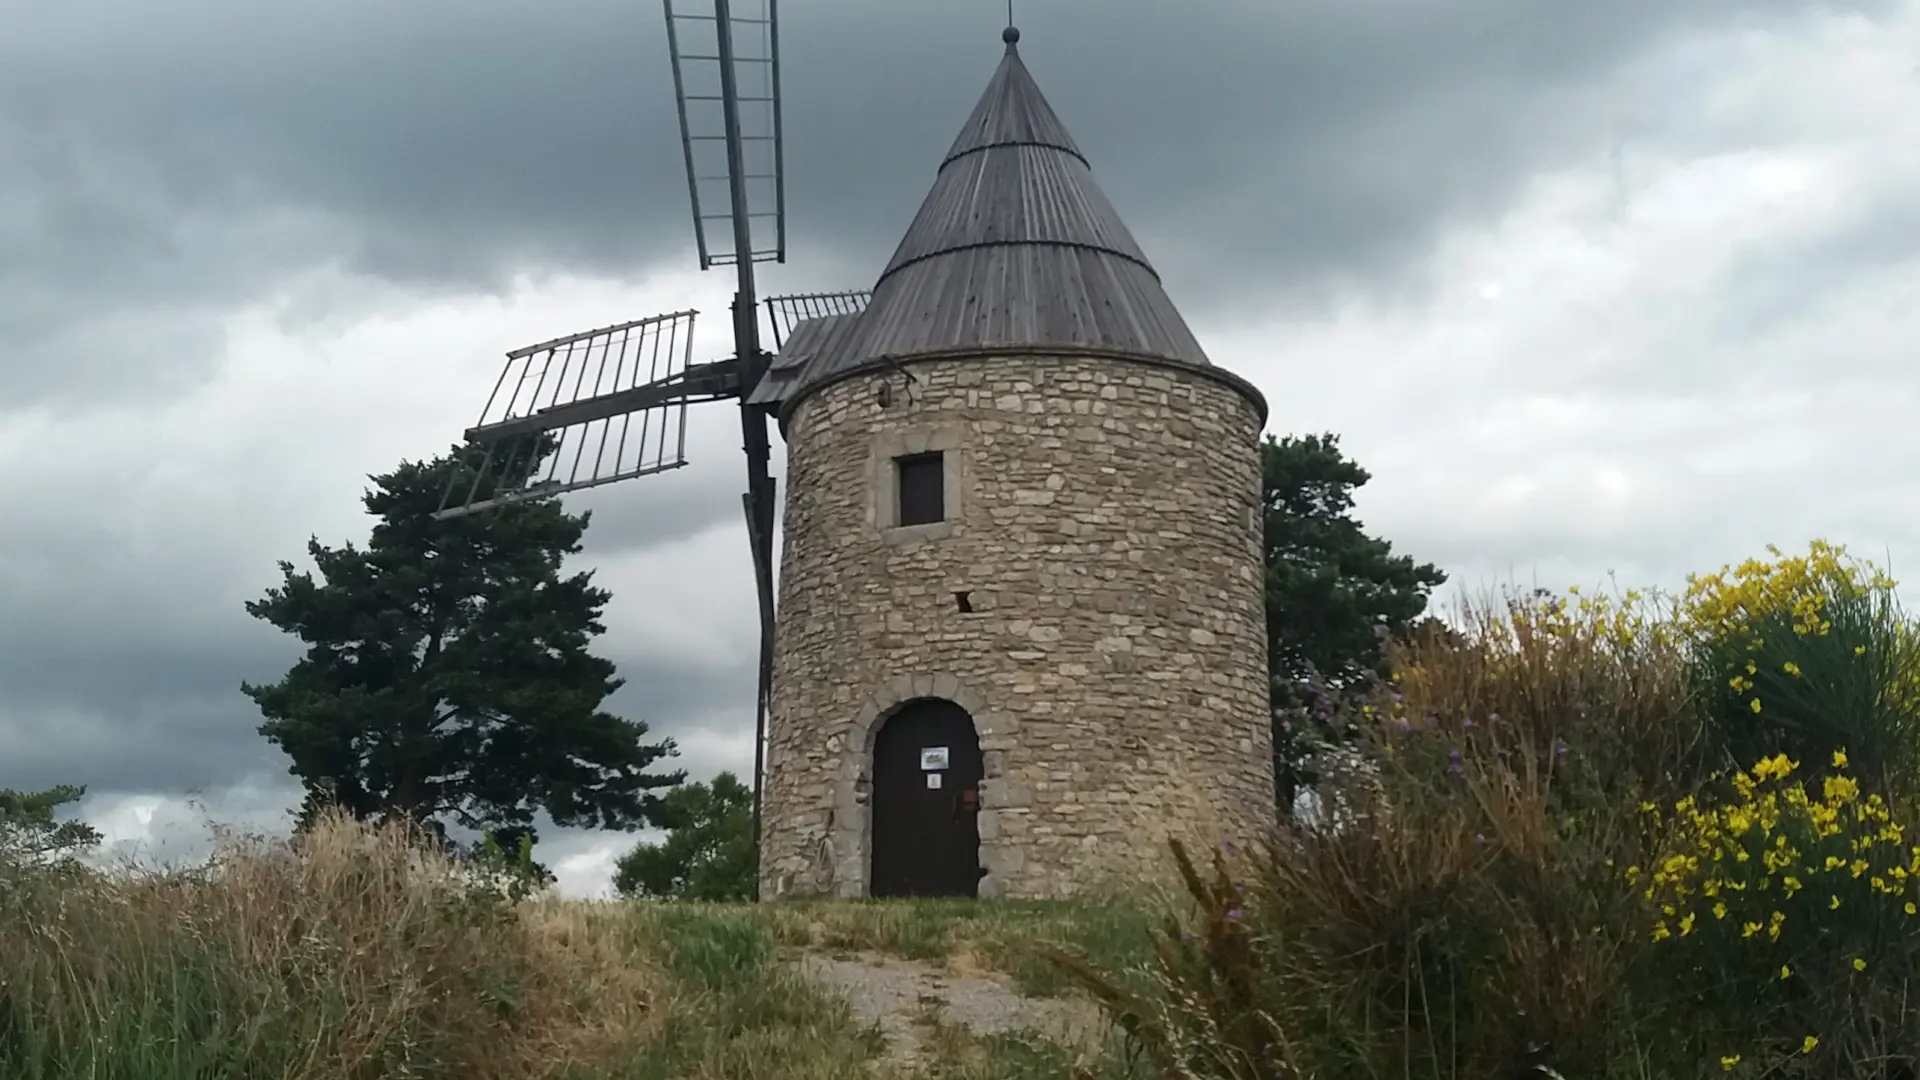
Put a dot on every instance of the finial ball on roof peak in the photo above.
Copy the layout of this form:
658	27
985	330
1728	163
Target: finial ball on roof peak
1011	35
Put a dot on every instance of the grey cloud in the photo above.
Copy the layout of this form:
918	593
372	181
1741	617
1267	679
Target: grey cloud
185	157
146	709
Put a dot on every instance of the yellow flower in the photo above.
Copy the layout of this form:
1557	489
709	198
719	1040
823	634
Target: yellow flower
1911	910
1754	704
1839	762
1785	971
1859	964
1720	910
1811	1041
1727	1063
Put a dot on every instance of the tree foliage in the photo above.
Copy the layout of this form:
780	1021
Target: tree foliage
1334	594
31	828
708	853
447	677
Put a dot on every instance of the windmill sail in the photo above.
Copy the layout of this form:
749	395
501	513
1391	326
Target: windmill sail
707	71
589	409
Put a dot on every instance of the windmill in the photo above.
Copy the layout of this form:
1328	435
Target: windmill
610	404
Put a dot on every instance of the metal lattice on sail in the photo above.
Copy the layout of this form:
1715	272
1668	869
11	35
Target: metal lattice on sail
588	409
700	79
787	312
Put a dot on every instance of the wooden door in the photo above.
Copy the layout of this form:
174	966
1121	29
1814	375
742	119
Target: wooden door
926	802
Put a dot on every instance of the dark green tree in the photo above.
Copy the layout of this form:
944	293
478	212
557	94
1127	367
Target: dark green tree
708	853
1334	594
447	678
31	828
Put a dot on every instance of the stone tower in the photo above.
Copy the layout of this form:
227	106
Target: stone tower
1020	635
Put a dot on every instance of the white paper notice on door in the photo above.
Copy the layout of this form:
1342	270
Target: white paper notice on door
933	758
933	781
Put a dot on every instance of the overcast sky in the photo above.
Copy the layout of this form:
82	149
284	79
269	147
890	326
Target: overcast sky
1627	287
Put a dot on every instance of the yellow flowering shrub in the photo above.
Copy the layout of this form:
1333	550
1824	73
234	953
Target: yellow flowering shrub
1804	654
1787	898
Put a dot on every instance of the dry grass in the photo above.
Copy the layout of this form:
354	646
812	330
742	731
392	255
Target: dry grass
356	957
359	957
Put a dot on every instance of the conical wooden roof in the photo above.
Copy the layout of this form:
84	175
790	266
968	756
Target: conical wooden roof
1015	249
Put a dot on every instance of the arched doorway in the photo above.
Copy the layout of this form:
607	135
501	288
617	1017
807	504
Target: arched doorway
926	802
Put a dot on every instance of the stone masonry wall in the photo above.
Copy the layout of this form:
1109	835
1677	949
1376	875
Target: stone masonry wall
1105	528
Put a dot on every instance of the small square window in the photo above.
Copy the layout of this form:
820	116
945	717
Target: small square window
923	488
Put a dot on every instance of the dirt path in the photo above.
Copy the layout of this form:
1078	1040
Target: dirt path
894	994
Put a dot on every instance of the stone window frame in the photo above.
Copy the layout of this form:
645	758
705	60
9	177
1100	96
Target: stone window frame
851	842
947	440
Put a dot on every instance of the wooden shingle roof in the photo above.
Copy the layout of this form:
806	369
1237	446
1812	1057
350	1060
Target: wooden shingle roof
1014	248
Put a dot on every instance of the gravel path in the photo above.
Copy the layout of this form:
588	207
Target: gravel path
893	994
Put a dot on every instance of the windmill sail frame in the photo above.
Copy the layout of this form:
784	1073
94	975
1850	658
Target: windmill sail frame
707	78
640	371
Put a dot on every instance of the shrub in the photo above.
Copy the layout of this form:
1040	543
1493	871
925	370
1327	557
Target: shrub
1538	854
1806	655
1454	914
1785	922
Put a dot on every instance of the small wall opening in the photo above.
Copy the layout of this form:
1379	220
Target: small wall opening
923	488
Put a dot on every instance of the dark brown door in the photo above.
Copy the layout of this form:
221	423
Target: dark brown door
926	800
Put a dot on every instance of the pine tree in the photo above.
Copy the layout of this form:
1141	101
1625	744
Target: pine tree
1334	594
447	677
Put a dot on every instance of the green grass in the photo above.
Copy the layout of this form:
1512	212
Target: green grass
734	1010
966	935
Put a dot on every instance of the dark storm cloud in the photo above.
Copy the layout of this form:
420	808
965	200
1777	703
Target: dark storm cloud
148	698
165	161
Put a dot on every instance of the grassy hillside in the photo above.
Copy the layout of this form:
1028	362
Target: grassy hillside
359	958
